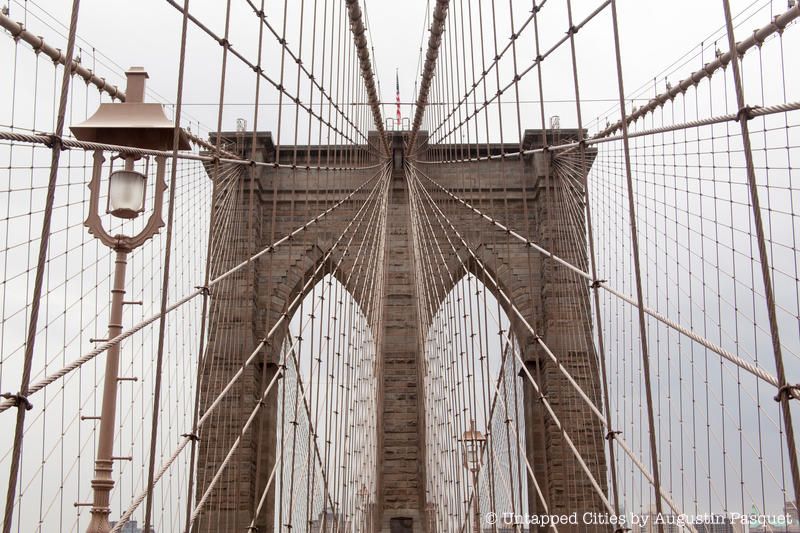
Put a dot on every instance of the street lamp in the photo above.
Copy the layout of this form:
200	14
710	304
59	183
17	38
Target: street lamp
363	494
430	514
363	498
472	444
135	124
126	192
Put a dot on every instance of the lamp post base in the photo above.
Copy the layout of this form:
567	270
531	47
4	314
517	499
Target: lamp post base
99	522
103	482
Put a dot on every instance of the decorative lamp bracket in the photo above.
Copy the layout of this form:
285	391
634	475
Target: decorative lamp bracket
95	224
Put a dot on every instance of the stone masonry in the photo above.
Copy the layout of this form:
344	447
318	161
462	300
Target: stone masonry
533	195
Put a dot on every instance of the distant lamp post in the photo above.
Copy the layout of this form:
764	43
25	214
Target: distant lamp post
363	498
138	125
472	448
363	495
430	514
472	443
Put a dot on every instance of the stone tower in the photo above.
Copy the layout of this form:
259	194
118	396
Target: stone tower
532	192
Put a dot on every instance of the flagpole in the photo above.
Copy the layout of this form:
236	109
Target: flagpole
397	95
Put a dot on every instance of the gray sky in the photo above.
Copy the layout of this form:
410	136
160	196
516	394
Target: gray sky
659	40
653	36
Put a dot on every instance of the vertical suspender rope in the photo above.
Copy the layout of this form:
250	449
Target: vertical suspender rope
209	252
359	31
251	232
526	216
22	403
542	439
162	323
638	273
593	262
784	390
434	42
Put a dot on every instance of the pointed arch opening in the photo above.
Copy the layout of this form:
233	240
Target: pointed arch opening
474	409
325	424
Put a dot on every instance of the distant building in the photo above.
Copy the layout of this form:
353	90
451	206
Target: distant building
790	508
791	522
710	523
323	524
648	523
720	525
326	523
131	526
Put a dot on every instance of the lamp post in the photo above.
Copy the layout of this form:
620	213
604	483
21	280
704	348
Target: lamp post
363	498
430	515
139	125
472	444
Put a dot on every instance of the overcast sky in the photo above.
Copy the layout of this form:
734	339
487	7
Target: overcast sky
654	35
660	41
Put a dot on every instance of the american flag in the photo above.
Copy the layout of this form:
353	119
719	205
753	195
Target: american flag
397	93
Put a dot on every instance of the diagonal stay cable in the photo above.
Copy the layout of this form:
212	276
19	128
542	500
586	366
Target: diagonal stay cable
277	85
439	216
88	356
284	317
494	64
596	412
536	63
212	407
719	350
434	42
20	400
359	31
568	147
756	39
295	57
19	32
47	139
